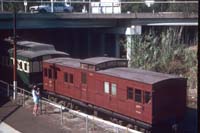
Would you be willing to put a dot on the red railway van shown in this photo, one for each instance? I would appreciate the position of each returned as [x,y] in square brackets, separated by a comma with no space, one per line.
[146,97]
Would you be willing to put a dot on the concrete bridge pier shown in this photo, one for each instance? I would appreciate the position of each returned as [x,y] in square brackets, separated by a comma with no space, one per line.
[102,42]
[130,33]
[89,43]
[117,45]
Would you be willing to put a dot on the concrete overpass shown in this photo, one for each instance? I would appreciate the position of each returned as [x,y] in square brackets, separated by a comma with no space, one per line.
[84,20]
[86,35]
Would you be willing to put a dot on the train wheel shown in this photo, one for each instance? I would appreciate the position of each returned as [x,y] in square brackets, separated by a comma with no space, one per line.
[147,131]
[120,122]
[142,130]
[95,113]
[71,106]
[129,126]
[68,105]
[136,127]
[61,103]
[55,100]
[115,121]
[76,107]
[49,97]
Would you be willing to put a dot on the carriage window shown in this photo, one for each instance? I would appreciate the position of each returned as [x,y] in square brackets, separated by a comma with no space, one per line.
[55,74]
[83,78]
[84,66]
[106,87]
[20,65]
[138,95]
[114,89]
[50,73]
[45,72]
[66,77]
[147,97]
[25,66]
[91,67]
[71,78]
[129,93]
[11,62]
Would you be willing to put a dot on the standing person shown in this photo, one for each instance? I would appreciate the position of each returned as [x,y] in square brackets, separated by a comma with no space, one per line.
[35,95]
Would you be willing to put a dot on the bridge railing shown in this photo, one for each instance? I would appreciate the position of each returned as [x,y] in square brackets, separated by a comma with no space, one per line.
[91,6]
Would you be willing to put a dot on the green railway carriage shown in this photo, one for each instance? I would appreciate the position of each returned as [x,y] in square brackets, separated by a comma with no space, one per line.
[29,61]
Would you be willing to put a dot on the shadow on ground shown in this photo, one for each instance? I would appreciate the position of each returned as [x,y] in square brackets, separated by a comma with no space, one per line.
[3,100]
[189,124]
[7,108]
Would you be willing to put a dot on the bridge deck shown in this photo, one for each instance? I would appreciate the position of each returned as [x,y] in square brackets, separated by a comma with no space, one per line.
[83,20]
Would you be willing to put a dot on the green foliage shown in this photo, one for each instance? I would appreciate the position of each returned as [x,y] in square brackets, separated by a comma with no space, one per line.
[9,6]
[165,53]
[186,8]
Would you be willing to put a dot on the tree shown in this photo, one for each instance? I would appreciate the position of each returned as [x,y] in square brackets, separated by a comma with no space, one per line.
[166,53]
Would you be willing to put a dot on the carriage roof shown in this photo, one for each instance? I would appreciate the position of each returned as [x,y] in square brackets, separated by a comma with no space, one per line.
[139,75]
[35,54]
[70,62]
[34,46]
[99,60]
[31,50]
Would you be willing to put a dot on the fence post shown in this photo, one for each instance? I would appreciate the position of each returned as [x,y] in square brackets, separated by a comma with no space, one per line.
[112,7]
[127,130]
[86,124]
[61,115]
[8,90]
[40,105]
[2,6]
[117,130]
[89,7]
[23,98]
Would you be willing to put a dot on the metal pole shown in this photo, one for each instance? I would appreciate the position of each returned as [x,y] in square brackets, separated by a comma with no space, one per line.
[2,5]
[15,60]
[117,130]
[61,115]
[40,105]
[8,90]
[25,6]
[23,98]
[89,6]
[52,5]
[86,125]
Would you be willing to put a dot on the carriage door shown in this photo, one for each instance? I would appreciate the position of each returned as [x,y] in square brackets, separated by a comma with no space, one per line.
[113,95]
[148,104]
[84,85]
[52,73]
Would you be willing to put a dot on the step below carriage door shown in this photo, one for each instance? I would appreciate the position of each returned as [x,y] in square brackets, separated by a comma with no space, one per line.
[84,85]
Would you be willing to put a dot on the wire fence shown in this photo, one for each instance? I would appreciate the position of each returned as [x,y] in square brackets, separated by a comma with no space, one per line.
[70,120]
[90,6]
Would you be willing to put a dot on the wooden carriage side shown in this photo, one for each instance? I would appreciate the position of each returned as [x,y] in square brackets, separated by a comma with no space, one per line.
[134,93]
